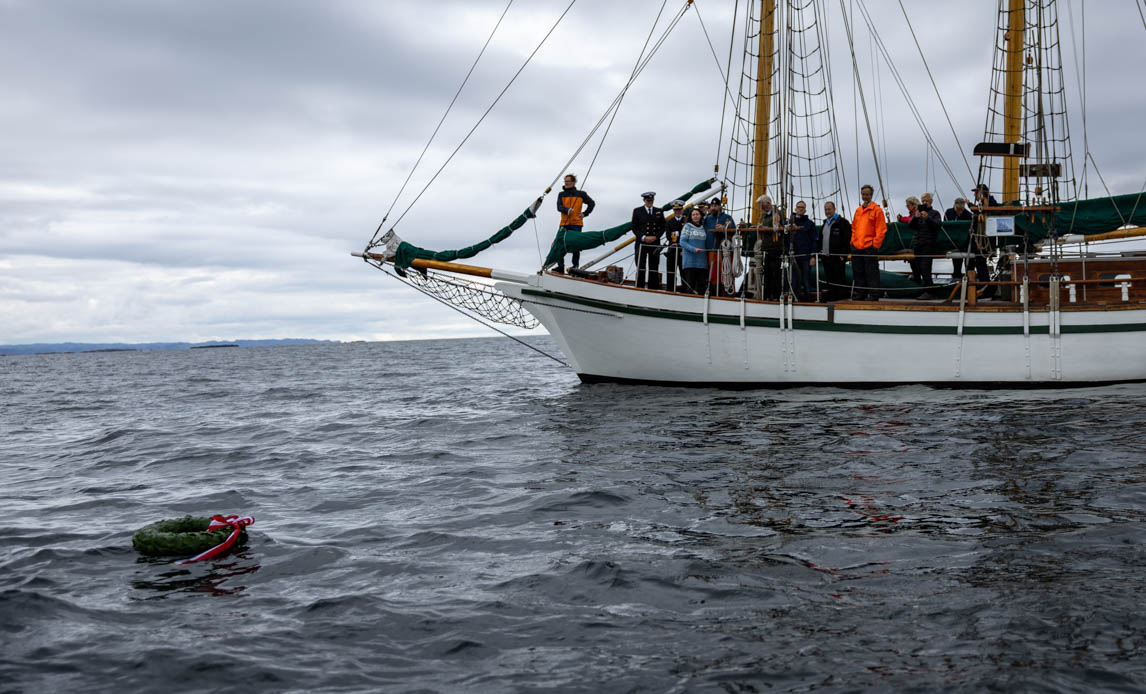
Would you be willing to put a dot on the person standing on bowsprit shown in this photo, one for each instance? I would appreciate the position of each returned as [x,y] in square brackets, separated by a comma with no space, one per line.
[673,226]
[569,203]
[648,227]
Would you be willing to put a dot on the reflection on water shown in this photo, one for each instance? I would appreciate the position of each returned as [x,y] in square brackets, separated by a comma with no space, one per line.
[213,578]
[467,517]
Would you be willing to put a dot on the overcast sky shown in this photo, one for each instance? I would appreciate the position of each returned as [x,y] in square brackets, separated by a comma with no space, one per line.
[174,170]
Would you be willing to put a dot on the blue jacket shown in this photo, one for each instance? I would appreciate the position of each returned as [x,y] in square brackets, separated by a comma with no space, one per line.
[805,239]
[692,239]
[710,223]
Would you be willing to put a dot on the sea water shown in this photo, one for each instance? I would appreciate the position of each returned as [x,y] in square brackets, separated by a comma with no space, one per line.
[463,515]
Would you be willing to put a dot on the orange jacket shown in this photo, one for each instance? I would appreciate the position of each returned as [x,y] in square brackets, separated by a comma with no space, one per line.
[868,226]
[569,202]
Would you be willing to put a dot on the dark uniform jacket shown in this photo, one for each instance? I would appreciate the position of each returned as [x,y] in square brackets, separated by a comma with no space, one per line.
[673,224]
[646,224]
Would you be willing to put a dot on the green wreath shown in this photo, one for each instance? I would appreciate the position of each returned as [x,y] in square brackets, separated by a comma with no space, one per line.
[183,537]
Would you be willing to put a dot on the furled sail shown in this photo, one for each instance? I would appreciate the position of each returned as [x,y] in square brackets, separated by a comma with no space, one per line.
[406,253]
[1085,217]
[568,240]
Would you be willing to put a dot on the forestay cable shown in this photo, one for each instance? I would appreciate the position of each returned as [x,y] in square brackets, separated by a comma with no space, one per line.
[936,88]
[617,99]
[863,101]
[585,178]
[443,120]
[483,115]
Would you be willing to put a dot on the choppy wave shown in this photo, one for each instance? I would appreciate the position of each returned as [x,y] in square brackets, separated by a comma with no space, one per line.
[464,516]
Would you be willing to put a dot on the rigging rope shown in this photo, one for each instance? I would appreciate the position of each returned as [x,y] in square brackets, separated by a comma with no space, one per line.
[841,175]
[936,88]
[863,101]
[616,100]
[652,29]
[1080,72]
[483,116]
[906,94]
[726,74]
[443,120]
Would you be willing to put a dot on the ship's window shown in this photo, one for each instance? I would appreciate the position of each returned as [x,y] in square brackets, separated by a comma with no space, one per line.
[1112,276]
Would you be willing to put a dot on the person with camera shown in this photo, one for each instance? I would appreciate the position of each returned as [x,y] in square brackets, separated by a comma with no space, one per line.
[925,225]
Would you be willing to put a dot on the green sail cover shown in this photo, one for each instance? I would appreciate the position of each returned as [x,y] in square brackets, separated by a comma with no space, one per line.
[1086,217]
[1096,215]
[407,252]
[569,240]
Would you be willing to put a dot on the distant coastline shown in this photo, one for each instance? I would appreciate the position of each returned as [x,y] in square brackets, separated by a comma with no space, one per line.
[74,347]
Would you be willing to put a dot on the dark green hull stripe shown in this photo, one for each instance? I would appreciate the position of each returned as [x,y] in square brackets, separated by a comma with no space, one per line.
[854,385]
[832,327]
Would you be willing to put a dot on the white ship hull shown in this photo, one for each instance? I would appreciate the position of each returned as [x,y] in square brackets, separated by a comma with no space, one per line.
[614,333]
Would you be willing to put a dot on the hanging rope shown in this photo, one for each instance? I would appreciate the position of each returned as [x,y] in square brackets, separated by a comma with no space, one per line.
[620,96]
[863,101]
[936,88]
[443,120]
[902,84]
[1080,83]
[482,118]
[725,74]
[605,135]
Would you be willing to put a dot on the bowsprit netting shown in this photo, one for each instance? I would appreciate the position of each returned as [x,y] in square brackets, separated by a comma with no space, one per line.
[473,296]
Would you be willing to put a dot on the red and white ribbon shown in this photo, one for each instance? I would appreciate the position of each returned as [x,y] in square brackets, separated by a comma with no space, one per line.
[234,522]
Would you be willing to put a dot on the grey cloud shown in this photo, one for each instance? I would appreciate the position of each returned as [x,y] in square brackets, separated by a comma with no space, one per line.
[171,169]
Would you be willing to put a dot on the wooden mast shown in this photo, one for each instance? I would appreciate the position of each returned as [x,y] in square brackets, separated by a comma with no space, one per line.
[1013,96]
[764,62]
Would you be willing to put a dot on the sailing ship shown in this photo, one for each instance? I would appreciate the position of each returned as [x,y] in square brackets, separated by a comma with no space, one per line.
[1064,319]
